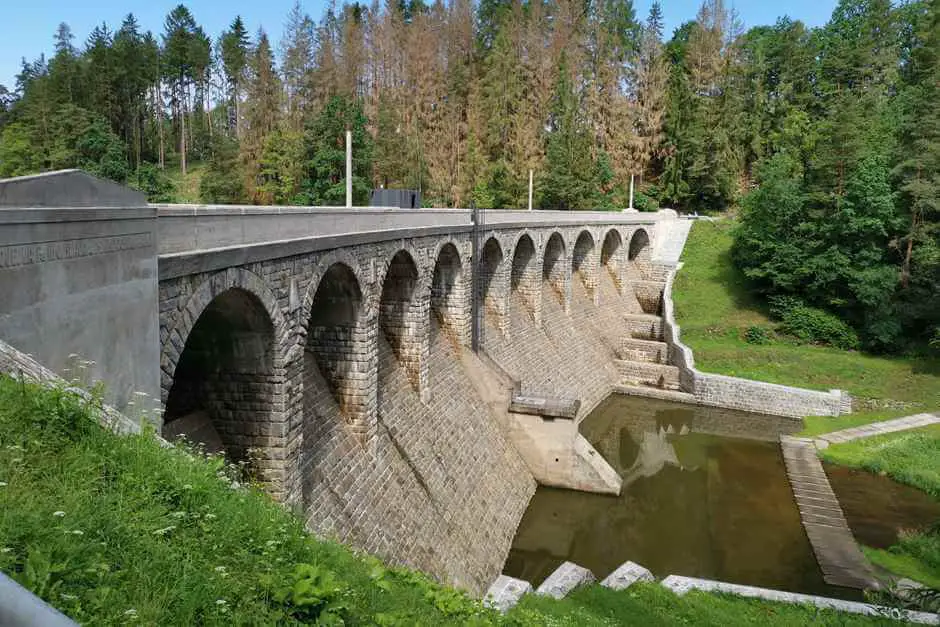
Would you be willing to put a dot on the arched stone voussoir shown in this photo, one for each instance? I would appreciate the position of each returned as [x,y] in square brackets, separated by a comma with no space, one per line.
[423,262]
[323,264]
[182,323]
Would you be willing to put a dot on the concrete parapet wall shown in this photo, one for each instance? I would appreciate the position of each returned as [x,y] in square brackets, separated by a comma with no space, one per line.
[83,281]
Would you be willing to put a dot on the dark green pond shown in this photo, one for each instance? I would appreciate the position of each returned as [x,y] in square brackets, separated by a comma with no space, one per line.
[705,495]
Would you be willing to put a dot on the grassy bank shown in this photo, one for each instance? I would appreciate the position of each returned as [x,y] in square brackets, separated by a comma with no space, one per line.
[913,458]
[113,530]
[714,310]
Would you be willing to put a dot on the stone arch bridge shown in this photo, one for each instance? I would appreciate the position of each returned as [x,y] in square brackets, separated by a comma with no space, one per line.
[332,347]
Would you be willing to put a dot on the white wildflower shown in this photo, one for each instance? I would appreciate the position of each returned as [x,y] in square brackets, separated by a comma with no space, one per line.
[3,484]
[58,514]
[221,602]
[6,549]
[130,612]
[78,532]
[210,516]
[164,531]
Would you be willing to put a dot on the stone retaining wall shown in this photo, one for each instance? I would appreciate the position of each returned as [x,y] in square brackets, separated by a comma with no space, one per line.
[735,393]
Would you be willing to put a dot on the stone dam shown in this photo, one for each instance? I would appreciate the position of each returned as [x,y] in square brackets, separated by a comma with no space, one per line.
[403,379]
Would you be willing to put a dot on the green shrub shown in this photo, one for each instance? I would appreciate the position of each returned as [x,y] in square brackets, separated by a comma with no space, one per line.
[812,325]
[757,335]
[642,202]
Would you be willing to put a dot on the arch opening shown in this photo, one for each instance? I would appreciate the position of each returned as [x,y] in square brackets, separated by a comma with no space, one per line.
[523,278]
[611,255]
[223,385]
[491,263]
[639,255]
[448,293]
[553,266]
[583,260]
[338,346]
[402,316]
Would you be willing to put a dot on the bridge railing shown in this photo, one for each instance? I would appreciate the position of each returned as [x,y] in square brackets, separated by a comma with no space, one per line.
[187,228]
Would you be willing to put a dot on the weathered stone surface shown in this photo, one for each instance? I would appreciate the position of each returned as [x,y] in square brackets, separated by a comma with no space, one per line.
[682,585]
[732,392]
[505,593]
[626,575]
[564,579]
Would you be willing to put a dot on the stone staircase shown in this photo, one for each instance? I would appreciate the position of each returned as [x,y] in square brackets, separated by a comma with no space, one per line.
[644,356]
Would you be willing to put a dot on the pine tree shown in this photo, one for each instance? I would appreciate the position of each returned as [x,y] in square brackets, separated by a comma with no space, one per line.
[234,44]
[262,111]
[297,49]
[650,78]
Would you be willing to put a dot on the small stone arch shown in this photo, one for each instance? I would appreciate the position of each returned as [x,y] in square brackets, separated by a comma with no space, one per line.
[494,284]
[639,255]
[403,317]
[584,262]
[555,269]
[449,290]
[612,253]
[340,344]
[223,369]
[524,274]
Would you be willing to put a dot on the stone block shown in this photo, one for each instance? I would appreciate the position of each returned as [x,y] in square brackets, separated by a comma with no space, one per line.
[564,579]
[505,593]
[626,575]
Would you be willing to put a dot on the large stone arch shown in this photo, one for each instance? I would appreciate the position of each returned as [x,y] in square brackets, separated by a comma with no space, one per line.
[223,373]
[450,288]
[524,274]
[556,272]
[612,257]
[640,255]
[584,262]
[403,316]
[494,283]
[340,344]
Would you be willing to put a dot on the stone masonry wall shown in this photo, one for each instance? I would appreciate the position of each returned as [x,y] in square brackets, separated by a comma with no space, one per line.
[743,394]
[412,467]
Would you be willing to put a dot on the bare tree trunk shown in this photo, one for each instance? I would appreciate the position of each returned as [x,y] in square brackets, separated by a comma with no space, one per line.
[182,110]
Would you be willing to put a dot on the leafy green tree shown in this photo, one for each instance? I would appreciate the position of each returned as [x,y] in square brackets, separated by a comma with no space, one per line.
[569,171]
[223,181]
[324,175]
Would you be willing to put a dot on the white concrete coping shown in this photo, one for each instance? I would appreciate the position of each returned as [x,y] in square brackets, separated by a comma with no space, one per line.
[681,585]
[505,592]
[566,578]
[626,575]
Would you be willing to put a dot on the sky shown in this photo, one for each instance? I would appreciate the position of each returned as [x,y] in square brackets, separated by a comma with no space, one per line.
[29,25]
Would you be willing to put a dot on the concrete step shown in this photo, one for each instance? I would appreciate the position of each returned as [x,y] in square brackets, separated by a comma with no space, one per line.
[644,326]
[648,392]
[644,373]
[650,351]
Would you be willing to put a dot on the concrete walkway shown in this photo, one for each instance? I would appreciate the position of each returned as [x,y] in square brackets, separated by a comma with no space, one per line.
[840,559]
[877,428]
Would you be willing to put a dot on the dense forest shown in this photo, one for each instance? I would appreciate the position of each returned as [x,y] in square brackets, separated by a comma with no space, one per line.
[825,141]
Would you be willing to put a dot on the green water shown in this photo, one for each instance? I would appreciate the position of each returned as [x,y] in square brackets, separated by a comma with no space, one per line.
[705,494]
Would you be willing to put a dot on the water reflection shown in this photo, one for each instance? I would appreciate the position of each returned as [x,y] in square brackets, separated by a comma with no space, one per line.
[705,494]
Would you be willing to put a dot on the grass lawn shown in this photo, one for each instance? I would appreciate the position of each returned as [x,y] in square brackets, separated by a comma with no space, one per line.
[714,309]
[186,188]
[116,530]
[911,457]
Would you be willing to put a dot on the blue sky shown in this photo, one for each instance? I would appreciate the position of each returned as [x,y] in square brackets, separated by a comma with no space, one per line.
[29,25]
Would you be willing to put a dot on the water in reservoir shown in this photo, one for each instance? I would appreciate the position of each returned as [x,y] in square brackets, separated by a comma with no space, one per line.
[705,494]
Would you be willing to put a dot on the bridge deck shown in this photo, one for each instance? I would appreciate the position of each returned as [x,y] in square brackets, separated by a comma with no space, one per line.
[838,555]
